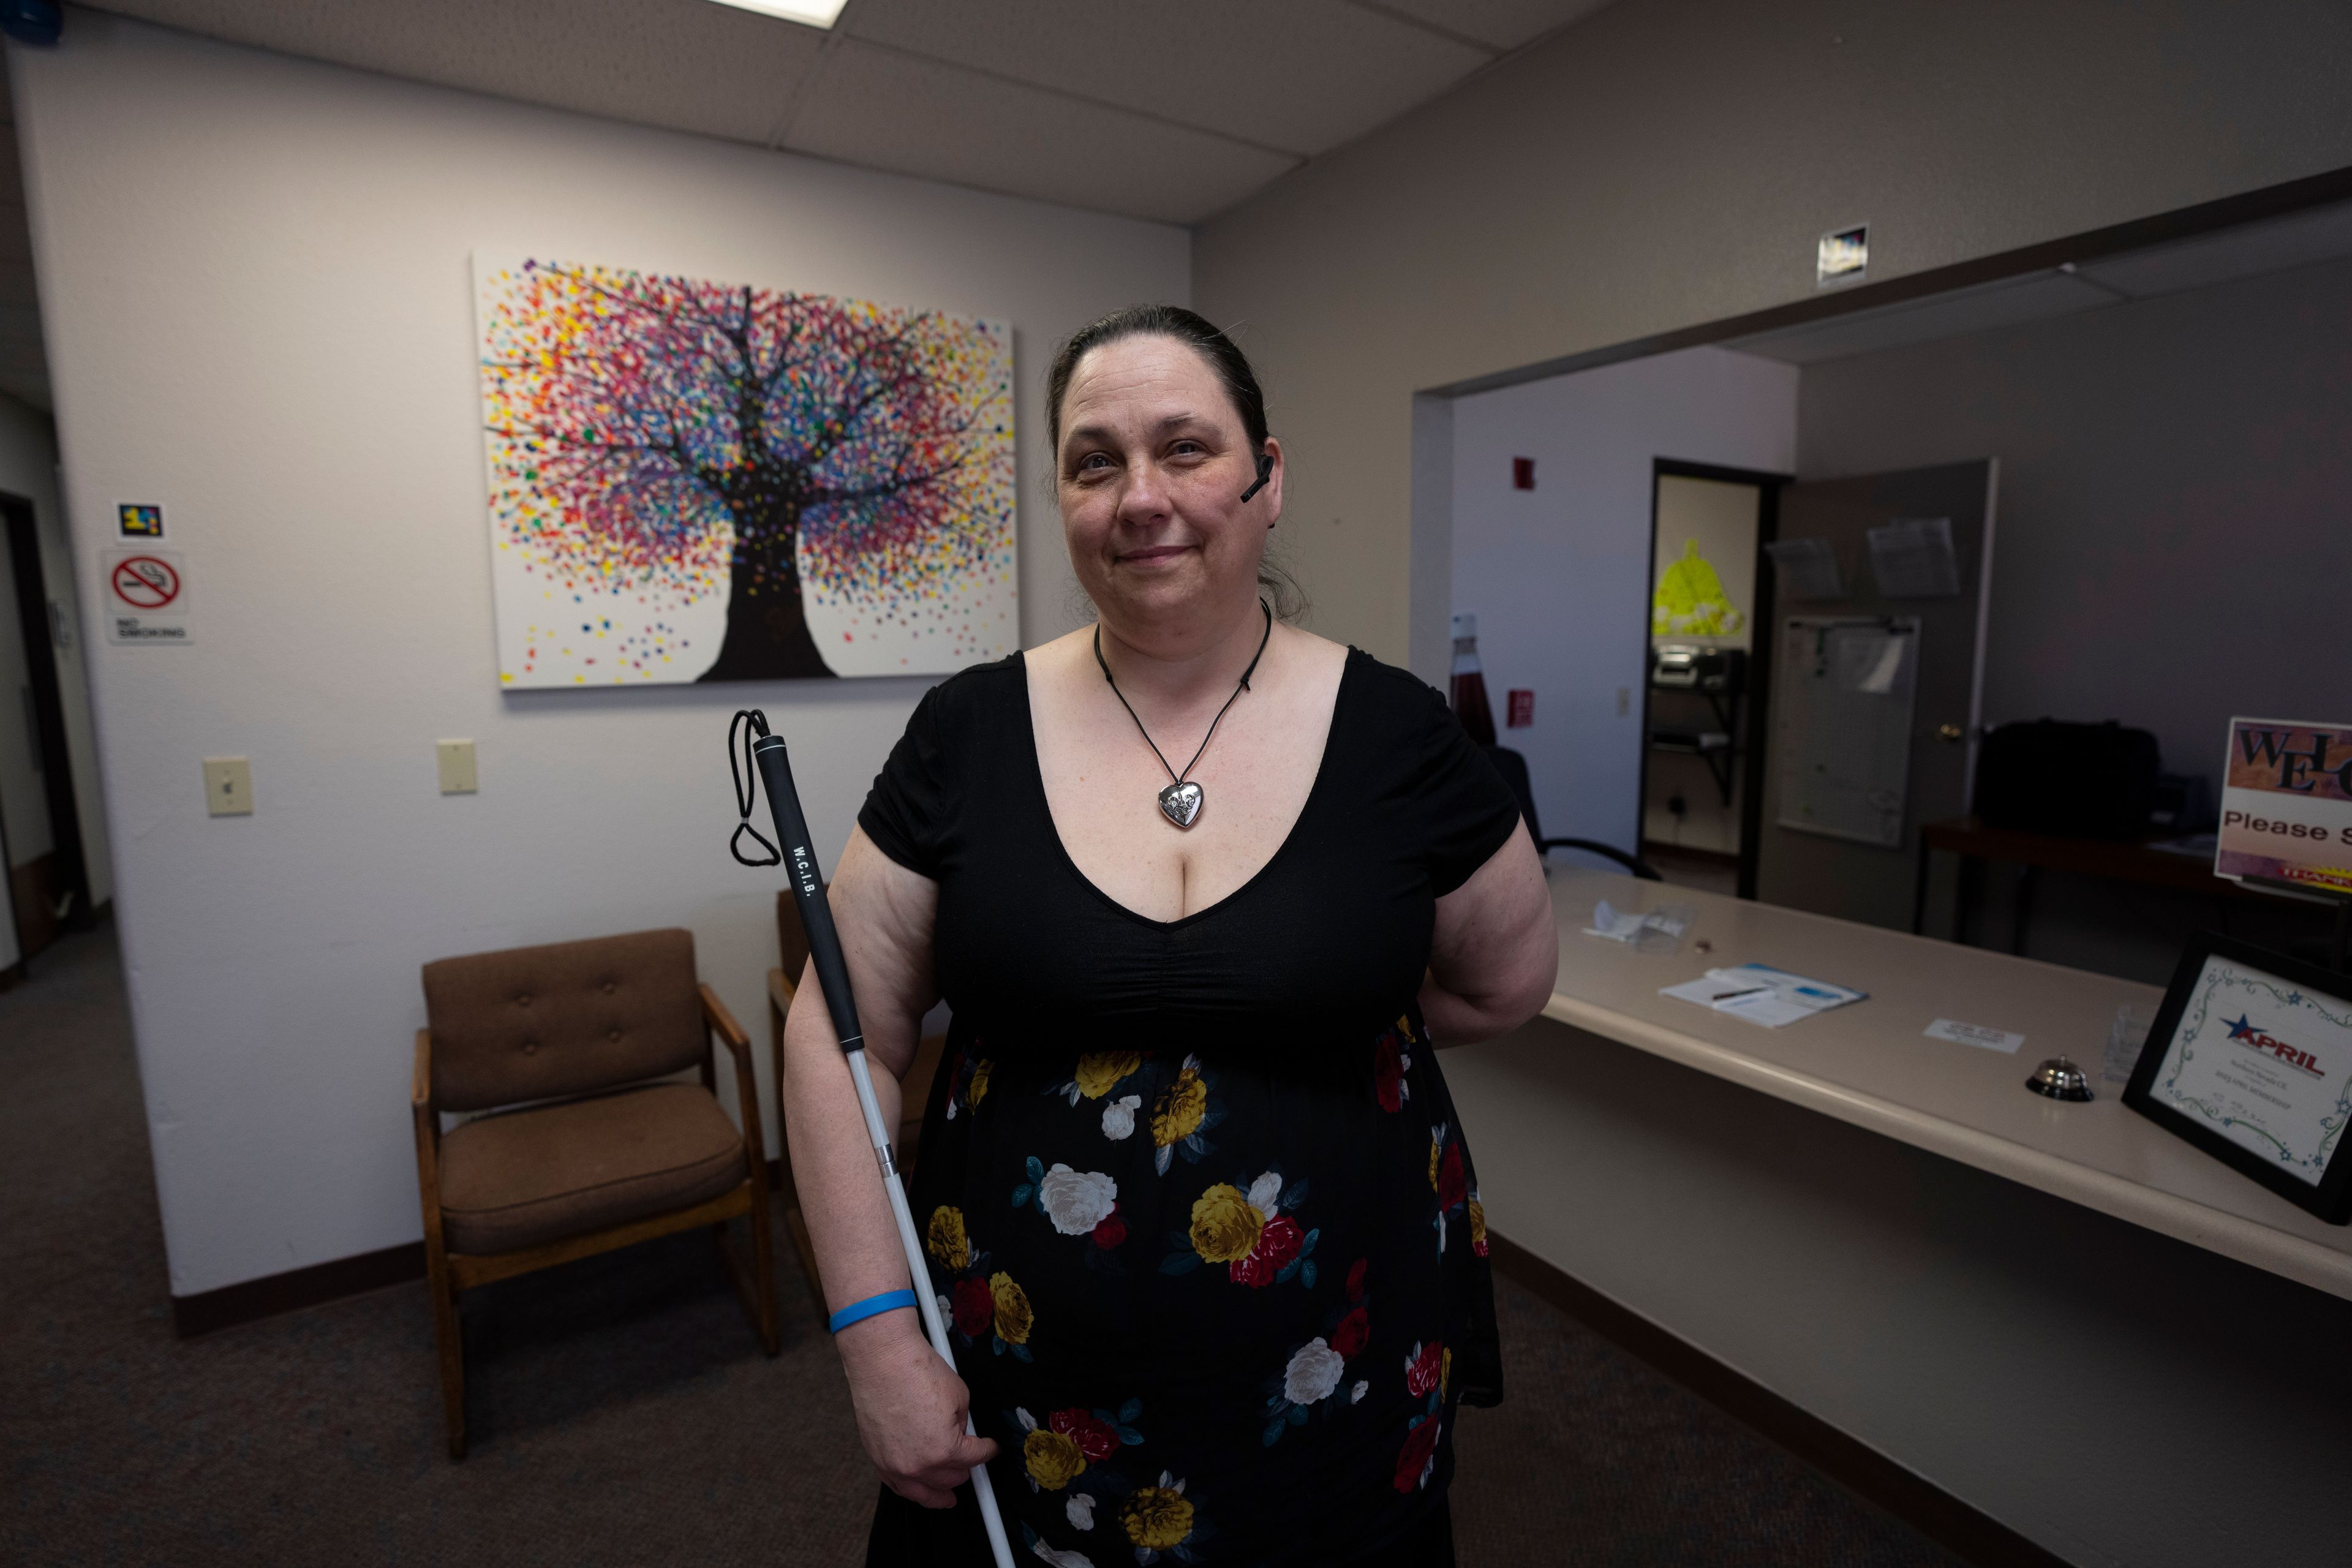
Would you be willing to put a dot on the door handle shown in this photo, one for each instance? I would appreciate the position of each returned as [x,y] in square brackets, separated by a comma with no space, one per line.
[1948,733]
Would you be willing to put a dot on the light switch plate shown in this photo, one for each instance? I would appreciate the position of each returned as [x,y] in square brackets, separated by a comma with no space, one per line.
[456,760]
[228,786]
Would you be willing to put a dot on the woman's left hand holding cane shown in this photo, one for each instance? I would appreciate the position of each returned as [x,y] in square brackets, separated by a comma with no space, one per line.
[910,1404]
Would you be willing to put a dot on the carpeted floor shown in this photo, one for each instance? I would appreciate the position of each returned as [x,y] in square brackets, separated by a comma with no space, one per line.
[621,1411]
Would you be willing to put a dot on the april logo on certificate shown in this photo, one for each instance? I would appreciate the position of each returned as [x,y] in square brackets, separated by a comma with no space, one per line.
[2264,1063]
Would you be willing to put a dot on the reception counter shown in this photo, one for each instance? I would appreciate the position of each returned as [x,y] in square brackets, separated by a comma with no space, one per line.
[2109,1346]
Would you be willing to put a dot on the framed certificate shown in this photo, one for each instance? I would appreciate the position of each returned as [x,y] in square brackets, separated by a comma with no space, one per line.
[2250,1060]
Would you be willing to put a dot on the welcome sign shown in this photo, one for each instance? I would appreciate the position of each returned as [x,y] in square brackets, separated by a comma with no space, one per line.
[2286,804]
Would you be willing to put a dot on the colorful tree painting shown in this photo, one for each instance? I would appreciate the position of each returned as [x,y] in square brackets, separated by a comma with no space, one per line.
[659,446]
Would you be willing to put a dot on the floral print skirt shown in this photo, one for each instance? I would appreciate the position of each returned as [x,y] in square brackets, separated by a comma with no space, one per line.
[1213,1305]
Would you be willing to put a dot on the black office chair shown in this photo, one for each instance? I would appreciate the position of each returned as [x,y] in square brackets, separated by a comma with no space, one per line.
[1514,769]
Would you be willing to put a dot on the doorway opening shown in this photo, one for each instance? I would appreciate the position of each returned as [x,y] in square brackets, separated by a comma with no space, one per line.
[40,826]
[1703,700]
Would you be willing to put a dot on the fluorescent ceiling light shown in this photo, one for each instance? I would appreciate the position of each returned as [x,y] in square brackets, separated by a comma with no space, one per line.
[815,13]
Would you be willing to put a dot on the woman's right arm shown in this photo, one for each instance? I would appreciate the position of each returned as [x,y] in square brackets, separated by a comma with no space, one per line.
[910,1405]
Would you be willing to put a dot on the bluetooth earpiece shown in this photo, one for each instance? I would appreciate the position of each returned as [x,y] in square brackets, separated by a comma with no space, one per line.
[1264,475]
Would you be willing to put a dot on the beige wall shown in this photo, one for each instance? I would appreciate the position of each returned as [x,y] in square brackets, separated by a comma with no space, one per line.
[1670,163]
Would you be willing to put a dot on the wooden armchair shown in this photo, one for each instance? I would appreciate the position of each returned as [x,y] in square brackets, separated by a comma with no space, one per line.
[914,1090]
[595,1158]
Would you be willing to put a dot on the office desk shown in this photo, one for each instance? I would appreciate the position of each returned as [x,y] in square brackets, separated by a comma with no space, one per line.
[2116,860]
[2059,1314]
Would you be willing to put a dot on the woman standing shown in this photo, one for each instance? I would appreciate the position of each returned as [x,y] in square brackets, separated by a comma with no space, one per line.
[1202,890]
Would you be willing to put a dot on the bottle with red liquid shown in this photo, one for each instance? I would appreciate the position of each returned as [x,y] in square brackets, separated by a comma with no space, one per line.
[1470,683]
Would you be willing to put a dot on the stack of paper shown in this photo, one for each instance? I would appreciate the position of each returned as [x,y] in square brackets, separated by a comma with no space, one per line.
[1660,930]
[1762,995]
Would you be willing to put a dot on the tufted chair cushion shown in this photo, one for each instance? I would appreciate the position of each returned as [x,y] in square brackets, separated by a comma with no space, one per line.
[529,1176]
[540,1023]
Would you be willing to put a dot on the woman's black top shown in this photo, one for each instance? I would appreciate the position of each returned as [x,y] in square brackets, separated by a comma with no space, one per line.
[1194,1190]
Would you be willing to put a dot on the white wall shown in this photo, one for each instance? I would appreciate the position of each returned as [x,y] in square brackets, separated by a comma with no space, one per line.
[256,297]
[1560,575]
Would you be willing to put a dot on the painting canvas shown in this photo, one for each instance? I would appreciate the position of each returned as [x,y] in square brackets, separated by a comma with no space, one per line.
[699,480]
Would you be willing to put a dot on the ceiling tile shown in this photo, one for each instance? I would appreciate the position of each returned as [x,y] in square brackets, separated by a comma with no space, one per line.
[686,65]
[1302,77]
[890,110]
[1502,24]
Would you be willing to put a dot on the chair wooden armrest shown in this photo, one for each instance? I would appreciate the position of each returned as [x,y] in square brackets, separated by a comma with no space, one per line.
[715,1013]
[746,1091]
[758,1288]
[420,1096]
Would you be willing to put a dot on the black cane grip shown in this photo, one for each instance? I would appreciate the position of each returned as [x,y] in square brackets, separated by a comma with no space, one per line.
[808,889]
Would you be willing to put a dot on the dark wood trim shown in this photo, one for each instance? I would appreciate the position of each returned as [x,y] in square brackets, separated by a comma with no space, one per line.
[71,872]
[1648,643]
[33,896]
[1966,1531]
[2182,223]
[469,1272]
[1757,714]
[1682,470]
[1653,848]
[1755,702]
[207,1311]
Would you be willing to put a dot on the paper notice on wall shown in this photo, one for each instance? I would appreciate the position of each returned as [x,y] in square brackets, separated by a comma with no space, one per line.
[1807,569]
[146,596]
[1870,662]
[1912,559]
[1841,701]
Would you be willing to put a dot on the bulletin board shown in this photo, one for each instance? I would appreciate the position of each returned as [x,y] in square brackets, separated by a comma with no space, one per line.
[1843,694]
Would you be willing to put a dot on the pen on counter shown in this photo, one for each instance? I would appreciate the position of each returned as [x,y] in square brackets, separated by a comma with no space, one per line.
[1727,996]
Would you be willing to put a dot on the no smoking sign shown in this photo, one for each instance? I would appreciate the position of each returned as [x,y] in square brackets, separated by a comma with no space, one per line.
[146,596]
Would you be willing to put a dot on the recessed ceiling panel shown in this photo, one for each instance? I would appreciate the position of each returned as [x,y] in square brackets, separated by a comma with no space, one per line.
[2002,304]
[1300,77]
[890,110]
[2323,234]
[686,65]
[1500,24]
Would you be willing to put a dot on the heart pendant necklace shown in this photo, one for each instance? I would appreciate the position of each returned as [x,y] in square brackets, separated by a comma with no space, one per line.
[1181,800]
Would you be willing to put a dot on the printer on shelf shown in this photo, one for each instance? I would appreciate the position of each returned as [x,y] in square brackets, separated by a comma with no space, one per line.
[1689,667]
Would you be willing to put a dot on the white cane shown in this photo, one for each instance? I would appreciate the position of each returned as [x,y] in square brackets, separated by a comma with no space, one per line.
[833,978]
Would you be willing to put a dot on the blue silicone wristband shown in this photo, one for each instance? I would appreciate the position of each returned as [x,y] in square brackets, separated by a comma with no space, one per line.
[859,1311]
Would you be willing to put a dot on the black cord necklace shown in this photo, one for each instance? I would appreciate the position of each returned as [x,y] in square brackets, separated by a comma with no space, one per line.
[1181,800]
